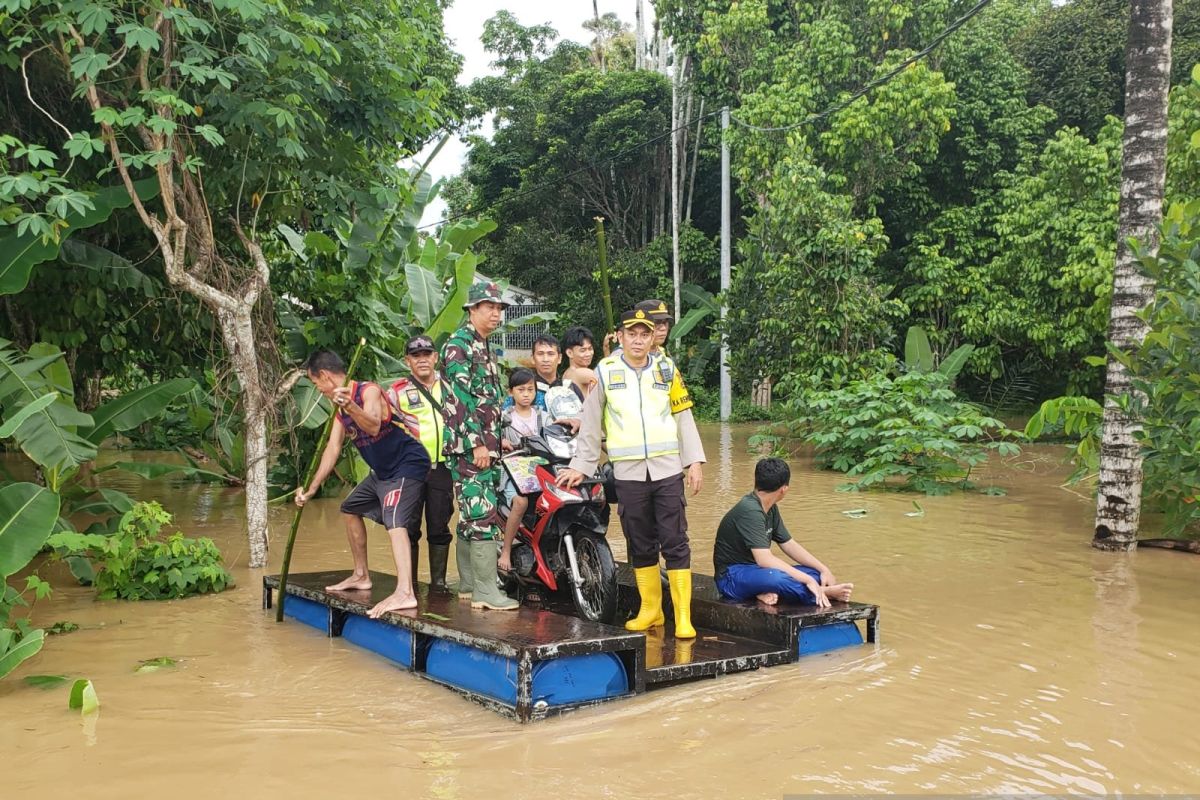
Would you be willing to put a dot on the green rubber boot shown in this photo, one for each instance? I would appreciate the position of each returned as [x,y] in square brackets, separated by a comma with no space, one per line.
[487,592]
[466,577]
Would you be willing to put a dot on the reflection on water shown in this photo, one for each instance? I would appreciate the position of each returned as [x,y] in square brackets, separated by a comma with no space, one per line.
[1013,659]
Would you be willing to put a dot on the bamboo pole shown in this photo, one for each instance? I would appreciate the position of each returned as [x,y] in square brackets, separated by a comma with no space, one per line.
[605,291]
[312,470]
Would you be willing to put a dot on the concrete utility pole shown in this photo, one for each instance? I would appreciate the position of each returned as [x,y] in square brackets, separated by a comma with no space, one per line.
[726,264]
[639,47]
[676,272]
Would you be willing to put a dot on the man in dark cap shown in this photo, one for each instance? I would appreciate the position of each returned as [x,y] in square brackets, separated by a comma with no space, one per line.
[420,399]
[472,445]
[681,399]
[661,317]
[650,448]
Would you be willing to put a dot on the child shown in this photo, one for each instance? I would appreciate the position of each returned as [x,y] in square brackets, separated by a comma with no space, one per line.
[520,419]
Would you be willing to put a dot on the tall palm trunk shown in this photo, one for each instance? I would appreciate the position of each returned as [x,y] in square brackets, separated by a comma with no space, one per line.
[1143,173]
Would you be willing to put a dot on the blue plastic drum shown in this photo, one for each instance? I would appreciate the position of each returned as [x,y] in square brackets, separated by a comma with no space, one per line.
[394,644]
[308,612]
[560,681]
[828,637]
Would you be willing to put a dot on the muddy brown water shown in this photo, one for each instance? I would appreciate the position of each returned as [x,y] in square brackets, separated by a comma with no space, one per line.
[1014,658]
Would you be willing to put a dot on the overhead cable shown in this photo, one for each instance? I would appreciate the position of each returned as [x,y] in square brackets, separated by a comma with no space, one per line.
[903,65]
[833,109]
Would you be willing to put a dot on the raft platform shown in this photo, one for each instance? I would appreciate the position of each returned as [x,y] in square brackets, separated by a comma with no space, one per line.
[541,661]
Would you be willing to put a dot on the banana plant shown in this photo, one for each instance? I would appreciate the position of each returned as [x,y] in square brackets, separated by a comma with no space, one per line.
[39,414]
[28,514]
[919,356]
[702,307]
[21,252]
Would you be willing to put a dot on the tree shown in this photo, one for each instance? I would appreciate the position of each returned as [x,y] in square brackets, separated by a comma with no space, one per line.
[1075,53]
[1143,175]
[239,110]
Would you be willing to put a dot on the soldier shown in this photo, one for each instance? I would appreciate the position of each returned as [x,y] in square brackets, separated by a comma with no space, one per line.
[650,448]
[419,400]
[472,446]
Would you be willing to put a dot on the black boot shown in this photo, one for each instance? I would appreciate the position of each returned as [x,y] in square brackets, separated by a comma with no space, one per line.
[439,554]
[416,559]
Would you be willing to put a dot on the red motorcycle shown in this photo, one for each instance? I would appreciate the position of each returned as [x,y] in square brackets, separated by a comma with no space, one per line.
[561,543]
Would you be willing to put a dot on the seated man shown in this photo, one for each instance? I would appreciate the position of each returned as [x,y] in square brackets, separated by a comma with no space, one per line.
[746,567]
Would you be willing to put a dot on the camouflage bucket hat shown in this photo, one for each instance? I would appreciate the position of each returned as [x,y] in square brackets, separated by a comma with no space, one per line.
[484,292]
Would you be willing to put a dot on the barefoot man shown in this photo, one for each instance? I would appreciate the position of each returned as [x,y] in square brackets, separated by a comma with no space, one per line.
[746,567]
[398,464]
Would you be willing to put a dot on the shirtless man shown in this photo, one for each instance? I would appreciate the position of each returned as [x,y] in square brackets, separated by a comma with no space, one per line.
[399,465]
[746,567]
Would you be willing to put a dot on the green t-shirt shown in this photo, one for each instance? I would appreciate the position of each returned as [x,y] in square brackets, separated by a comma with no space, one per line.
[745,527]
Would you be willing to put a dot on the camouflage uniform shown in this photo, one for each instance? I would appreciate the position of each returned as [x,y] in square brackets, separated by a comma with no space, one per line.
[472,414]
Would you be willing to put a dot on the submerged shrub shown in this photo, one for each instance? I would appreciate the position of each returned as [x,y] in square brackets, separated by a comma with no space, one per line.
[909,432]
[139,563]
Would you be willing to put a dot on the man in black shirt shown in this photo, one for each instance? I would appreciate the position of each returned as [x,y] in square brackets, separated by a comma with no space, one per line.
[746,567]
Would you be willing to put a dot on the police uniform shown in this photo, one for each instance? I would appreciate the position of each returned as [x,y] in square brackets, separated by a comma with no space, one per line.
[420,407]
[649,445]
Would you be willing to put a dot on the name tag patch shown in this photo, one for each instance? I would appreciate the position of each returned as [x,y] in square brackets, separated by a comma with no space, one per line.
[616,379]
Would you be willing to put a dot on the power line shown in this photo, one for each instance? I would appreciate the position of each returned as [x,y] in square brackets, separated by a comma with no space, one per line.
[558,181]
[929,48]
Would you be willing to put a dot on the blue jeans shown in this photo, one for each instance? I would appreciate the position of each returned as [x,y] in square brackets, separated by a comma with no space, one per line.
[744,581]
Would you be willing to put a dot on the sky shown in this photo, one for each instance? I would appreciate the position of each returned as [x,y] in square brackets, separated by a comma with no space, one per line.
[464,25]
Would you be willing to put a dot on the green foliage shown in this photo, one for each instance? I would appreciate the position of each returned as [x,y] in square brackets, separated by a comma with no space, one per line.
[1075,54]
[1077,418]
[138,562]
[83,697]
[1166,374]
[54,434]
[27,516]
[39,240]
[909,432]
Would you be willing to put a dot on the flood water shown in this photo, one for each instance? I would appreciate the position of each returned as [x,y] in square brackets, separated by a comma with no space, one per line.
[1013,658]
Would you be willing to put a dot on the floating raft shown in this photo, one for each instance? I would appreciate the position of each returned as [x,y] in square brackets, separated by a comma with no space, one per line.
[541,661]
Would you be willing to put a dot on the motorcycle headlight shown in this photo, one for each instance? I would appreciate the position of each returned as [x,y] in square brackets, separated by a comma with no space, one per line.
[561,448]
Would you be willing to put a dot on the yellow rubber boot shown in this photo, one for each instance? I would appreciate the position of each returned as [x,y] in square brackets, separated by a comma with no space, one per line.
[681,597]
[650,590]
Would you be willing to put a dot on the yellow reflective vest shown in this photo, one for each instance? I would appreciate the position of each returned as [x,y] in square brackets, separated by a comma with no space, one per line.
[637,409]
[420,416]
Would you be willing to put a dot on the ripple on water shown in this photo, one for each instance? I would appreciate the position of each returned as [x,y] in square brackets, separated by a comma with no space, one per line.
[1014,658]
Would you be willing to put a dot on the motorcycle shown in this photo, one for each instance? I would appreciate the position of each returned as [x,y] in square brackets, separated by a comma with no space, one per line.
[561,542]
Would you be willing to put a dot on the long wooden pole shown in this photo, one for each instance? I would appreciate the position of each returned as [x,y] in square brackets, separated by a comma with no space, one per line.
[605,291]
[312,470]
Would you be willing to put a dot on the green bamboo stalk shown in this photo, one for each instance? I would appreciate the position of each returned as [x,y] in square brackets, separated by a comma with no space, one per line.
[604,290]
[312,470]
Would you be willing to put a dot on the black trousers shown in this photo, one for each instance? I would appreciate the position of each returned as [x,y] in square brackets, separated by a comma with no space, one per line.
[653,517]
[437,501]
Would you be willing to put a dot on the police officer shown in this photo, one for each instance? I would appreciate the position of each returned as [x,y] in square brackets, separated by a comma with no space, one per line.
[420,399]
[650,448]
[472,446]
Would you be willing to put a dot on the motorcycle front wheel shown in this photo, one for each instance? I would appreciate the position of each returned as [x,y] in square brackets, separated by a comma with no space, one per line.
[596,599]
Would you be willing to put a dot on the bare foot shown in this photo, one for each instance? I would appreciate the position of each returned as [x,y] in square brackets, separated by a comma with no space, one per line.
[839,592]
[769,598]
[353,583]
[393,602]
